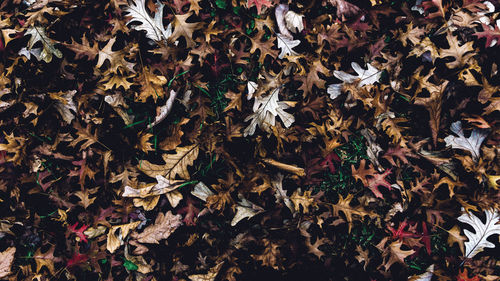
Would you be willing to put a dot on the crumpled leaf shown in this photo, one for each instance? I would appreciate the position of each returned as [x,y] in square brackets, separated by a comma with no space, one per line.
[6,260]
[245,209]
[367,76]
[117,235]
[153,26]
[280,13]
[201,191]
[65,105]
[294,21]
[280,193]
[477,240]
[266,108]
[165,224]
[163,186]
[471,144]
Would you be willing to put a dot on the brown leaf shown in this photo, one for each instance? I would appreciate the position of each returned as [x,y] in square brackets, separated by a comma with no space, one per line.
[83,50]
[175,164]
[117,235]
[165,224]
[305,200]
[397,254]
[210,276]
[184,29]
[6,260]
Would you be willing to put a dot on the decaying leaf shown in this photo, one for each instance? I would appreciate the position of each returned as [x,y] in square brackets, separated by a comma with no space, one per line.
[6,260]
[164,225]
[175,164]
[117,235]
[47,51]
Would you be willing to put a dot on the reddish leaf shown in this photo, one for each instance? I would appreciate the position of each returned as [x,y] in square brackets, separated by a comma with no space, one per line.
[79,231]
[489,34]
[77,259]
[259,4]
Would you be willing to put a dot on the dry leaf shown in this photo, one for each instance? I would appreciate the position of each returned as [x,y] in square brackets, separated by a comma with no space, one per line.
[164,225]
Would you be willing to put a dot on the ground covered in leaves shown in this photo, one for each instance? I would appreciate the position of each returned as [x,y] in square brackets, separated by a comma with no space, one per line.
[249,140]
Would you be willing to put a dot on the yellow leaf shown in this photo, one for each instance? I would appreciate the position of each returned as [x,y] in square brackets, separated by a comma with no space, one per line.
[175,164]
[115,240]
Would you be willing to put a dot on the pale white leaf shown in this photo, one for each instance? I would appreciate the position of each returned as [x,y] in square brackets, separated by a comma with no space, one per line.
[201,191]
[364,77]
[471,144]
[279,13]
[153,26]
[477,239]
[165,109]
[294,21]
[266,108]
[252,87]
[245,209]
[280,193]
[334,90]
[286,44]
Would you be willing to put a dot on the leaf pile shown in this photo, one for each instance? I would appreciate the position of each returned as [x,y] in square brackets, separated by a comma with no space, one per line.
[241,140]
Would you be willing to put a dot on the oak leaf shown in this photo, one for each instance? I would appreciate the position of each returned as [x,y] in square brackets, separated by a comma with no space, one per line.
[478,240]
[454,236]
[305,200]
[153,26]
[461,54]
[116,58]
[286,44]
[364,77]
[6,260]
[492,35]
[184,29]
[259,4]
[266,108]
[163,227]
[48,49]
[175,164]
[46,259]
[84,49]
[397,254]
[117,235]
[471,144]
